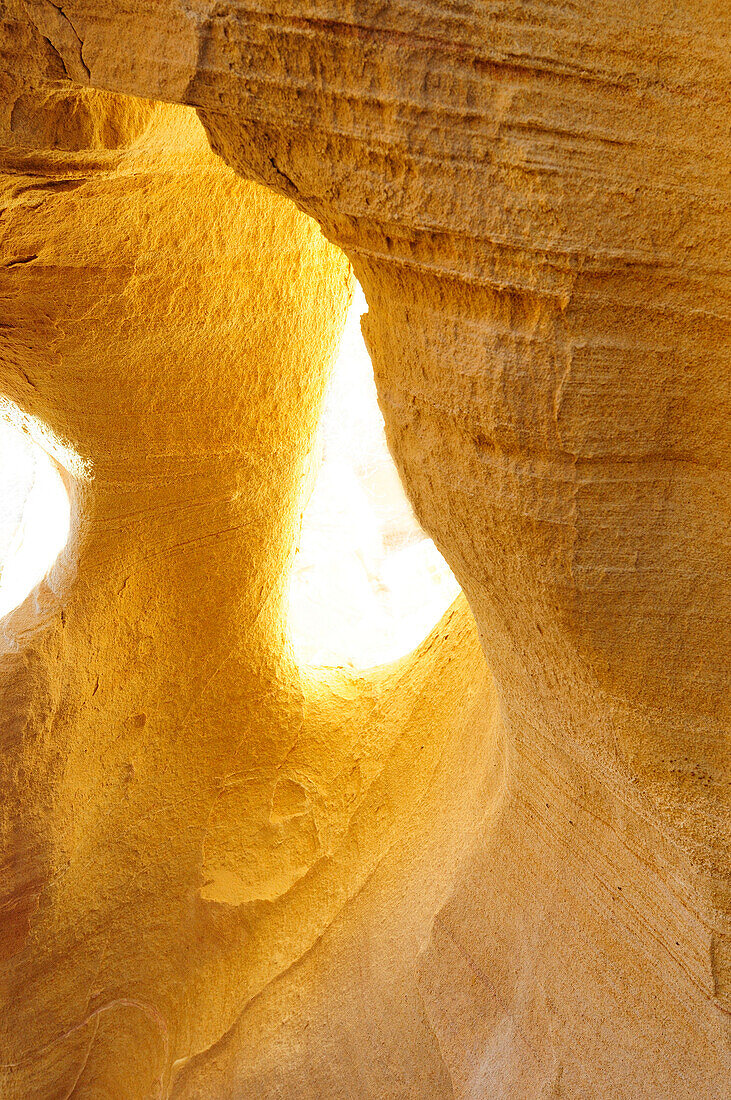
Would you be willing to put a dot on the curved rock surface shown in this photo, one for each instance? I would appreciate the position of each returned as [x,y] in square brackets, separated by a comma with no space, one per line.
[499,867]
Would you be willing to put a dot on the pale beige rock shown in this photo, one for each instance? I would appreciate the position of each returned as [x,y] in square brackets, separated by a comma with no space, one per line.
[227,876]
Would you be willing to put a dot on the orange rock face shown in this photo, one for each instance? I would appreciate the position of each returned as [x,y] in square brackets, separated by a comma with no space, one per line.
[500,866]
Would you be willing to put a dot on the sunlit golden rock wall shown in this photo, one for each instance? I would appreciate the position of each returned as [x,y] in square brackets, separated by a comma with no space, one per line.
[499,867]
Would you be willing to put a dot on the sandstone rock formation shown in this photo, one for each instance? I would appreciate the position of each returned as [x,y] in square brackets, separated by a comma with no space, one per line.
[499,867]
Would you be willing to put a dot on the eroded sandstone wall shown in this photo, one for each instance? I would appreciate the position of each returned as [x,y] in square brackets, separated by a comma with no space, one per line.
[228,876]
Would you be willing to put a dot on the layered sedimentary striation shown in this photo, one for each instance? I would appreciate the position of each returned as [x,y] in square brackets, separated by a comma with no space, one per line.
[499,867]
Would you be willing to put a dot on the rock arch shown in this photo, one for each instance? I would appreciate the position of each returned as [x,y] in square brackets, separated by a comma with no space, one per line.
[225,877]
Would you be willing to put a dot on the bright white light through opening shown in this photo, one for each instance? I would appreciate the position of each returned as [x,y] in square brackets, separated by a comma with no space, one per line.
[34,515]
[367,584]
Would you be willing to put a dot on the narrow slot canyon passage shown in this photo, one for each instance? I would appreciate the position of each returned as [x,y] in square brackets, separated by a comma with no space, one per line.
[34,512]
[367,584]
[284,813]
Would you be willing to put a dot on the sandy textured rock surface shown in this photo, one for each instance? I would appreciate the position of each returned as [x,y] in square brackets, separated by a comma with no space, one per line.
[228,876]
